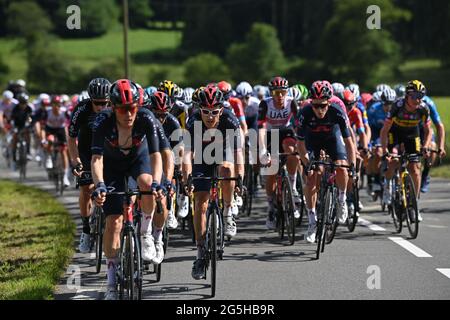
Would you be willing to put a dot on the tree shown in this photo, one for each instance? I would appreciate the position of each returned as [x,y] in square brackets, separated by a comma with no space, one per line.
[259,58]
[4,69]
[204,68]
[140,13]
[28,20]
[97,17]
[353,52]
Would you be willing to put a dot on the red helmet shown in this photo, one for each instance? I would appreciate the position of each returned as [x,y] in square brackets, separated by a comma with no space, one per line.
[225,87]
[319,90]
[56,100]
[124,91]
[349,98]
[211,97]
[160,102]
[278,83]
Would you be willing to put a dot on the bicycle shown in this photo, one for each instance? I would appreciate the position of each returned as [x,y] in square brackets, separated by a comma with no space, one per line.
[353,199]
[214,240]
[403,194]
[57,172]
[21,149]
[129,273]
[327,221]
[249,183]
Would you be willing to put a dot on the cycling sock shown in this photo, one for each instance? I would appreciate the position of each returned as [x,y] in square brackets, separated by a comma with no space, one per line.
[199,251]
[312,216]
[146,223]
[293,179]
[111,274]
[157,234]
[342,196]
[86,226]
[425,172]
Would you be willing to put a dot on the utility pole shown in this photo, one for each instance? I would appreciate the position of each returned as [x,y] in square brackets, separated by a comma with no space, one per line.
[125,37]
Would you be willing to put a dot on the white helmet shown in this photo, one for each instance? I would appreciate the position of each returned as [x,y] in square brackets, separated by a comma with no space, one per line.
[338,88]
[8,95]
[21,83]
[188,92]
[382,87]
[295,93]
[84,95]
[377,96]
[354,88]
[244,89]
[389,95]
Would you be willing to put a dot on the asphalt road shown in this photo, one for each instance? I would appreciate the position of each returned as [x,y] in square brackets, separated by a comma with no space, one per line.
[371,263]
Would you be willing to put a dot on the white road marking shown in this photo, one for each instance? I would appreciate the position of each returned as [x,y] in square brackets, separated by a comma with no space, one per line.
[434,226]
[370,225]
[445,272]
[86,294]
[410,247]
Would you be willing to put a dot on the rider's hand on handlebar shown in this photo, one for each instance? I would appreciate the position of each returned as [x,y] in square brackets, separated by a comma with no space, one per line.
[78,169]
[99,194]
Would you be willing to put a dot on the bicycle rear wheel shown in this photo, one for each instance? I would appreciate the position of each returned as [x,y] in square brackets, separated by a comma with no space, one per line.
[320,223]
[130,284]
[353,215]
[412,213]
[288,210]
[302,208]
[99,238]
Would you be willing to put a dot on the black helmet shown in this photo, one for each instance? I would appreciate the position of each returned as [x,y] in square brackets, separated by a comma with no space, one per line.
[22,98]
[99,88]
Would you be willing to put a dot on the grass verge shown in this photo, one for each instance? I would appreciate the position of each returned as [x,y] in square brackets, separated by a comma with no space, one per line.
[36,242]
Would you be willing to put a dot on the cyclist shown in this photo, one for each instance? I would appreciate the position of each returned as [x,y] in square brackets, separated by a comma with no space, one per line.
[439,144]
[235,104]
[277,113]
[160,106]
[324,126]
[55,124]
[354,88]
[178,108]
[212,116]
[377,116]
[400,90]
[260,92]
[338,90]
[125,143]
[17,87]
[21,119]
[6,107]
[187,99]
[79,143]
[402,127]
[304,94]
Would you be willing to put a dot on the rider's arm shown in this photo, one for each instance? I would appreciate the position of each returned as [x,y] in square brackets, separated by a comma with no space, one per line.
[344,125]
[384,134]
[427,133]
[262,126]
[73,151]
[97,168]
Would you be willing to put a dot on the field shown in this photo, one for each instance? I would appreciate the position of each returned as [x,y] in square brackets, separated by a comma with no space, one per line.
[147,48]
[36,242]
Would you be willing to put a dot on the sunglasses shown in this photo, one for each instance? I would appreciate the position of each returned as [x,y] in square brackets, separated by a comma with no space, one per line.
[279,92]
[160,114]
[125,108]
[320,106]
[214,113]
[100,103]
[416,95]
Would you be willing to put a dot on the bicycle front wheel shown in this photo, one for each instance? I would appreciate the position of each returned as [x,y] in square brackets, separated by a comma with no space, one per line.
[211,234]
[288,210]
[320,224]
[412,213]
[395,208]
[99,238]
[330,215]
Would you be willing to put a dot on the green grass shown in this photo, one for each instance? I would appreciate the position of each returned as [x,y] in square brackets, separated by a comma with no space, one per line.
[87,53]
[443,105]
[36,242]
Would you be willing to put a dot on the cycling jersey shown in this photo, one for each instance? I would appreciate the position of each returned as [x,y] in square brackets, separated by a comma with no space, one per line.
[81,125]
[238,108]
[355,118]
[363,112]
[408,122]
[170,126]
[20,115]
[228,128]
[325,134]
[8,108]
[55,121]
[273,118]
[181,111]
[377,117]
[434,114]
[252,108]
[105,136]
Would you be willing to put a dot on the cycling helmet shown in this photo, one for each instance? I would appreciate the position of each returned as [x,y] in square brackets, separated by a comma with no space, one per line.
[349,98]
[377,96]
[160,102]
[65,98]
[304,92]
[355,89]
[23,98]
[187,97]
[56,100]
[416,86]
[8,95]
[196,95]
[211,97]
[169,88]
[151,90]
[261,91]
[319,91]
[388,95]
[338,89]
[295,93]
[244,89]
[179,93]
[278,83]
[400,90]
[124,91]
[99,88]
[84,95]
[21,83]
[226,89]
[382,87]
